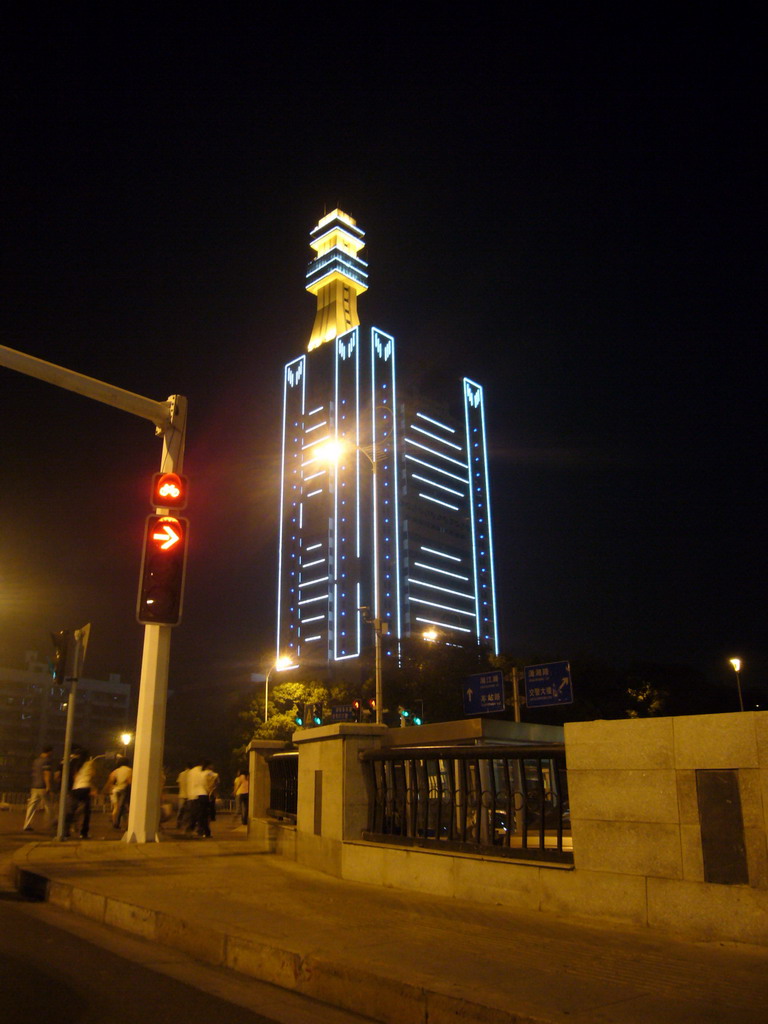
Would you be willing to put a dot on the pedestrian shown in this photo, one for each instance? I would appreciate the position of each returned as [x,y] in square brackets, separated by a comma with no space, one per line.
[213,789]
[80,795]
[41,789]
[118,785]
[240,794]
[199,782]
[182,815]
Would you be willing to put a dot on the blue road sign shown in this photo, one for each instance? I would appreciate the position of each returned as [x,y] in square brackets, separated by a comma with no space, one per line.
[546,685]
[344,713]
[484,693]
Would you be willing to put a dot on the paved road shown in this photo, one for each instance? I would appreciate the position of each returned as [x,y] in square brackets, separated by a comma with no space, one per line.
[58,967]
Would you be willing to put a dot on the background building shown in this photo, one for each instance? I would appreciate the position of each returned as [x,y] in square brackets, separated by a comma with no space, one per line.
[33,712]
[384,491]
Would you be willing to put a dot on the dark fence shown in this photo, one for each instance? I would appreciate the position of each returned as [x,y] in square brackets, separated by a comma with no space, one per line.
[284,784]
[504,800]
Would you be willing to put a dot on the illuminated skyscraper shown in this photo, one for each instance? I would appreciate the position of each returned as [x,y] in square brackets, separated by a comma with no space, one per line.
[402,504]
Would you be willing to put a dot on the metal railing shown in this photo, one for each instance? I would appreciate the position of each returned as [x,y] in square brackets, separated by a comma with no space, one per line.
[503,800]
[284,784]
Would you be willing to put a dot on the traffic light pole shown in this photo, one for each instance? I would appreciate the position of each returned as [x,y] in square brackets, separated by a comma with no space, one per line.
[81,643]
[147,781]
[170,419]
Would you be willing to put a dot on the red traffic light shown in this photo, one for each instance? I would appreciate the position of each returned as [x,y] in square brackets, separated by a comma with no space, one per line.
[161,584]
[169,490]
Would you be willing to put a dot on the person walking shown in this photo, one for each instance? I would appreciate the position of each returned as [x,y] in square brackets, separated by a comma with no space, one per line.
[182,815]
[80,794]
[118,786]
[199,784]
[41,790]
[240,794]
[213,791]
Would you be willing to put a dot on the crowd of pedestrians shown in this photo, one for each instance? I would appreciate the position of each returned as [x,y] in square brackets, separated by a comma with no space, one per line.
[198,785]
[45,792]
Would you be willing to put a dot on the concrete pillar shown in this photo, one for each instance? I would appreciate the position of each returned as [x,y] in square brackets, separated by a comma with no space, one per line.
[258,775]
[333,799]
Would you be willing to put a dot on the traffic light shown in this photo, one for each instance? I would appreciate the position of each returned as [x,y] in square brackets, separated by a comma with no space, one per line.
[407,717]
[61,642]
[169,490]
[299,714]
[357,705]
[317,714]
[161,584]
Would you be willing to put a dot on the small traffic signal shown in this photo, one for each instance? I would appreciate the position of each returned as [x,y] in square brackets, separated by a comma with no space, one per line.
[317,714]
[61,642]
[299,714]
[161,584]
[169,490]
[357,706]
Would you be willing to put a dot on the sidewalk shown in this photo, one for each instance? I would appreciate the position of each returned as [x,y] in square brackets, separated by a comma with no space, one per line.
[402,958]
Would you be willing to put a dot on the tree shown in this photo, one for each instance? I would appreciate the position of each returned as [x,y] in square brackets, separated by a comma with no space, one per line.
[430,678]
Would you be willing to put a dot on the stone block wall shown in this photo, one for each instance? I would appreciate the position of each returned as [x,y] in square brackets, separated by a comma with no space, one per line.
[640,850]
[637,812]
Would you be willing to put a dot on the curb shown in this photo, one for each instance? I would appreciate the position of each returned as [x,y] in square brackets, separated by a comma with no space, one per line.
[386,999]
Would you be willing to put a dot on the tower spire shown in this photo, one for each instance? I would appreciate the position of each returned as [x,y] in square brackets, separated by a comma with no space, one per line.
[336,276]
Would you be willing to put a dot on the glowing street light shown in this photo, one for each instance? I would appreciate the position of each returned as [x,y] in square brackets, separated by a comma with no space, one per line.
[736,666]
[126,738]
[281,665]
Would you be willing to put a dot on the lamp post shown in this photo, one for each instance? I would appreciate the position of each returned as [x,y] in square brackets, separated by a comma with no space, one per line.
[281,665]
[331,452]
[126,738]
[736,666]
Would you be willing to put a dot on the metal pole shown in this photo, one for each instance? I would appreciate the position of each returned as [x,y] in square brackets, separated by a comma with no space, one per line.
[147,782]
[738,685]
[266,695]
[81,643]
[64,793]
[515,694]
[98,390]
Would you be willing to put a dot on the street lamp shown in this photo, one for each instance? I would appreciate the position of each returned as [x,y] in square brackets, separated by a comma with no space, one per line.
[736,666]
[126,738]
[281,665]
[331,451]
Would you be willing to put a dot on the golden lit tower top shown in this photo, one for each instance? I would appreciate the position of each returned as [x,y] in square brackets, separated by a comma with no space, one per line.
[336,276]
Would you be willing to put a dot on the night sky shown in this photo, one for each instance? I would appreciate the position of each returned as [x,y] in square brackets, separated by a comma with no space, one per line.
[568,212]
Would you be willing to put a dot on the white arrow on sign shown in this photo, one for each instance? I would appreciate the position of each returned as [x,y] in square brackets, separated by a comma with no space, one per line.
[168,535]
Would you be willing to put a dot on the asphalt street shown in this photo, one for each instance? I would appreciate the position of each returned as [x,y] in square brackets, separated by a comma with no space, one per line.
[60,967]
[65,968]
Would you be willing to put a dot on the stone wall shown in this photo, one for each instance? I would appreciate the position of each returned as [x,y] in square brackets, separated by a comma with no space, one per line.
[649,830]
[642,815]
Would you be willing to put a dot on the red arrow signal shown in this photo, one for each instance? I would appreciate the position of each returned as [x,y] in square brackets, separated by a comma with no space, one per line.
[169,534]
[163,567]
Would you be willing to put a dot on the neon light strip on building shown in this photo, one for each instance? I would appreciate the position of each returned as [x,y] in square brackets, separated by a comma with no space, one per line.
[437,423]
